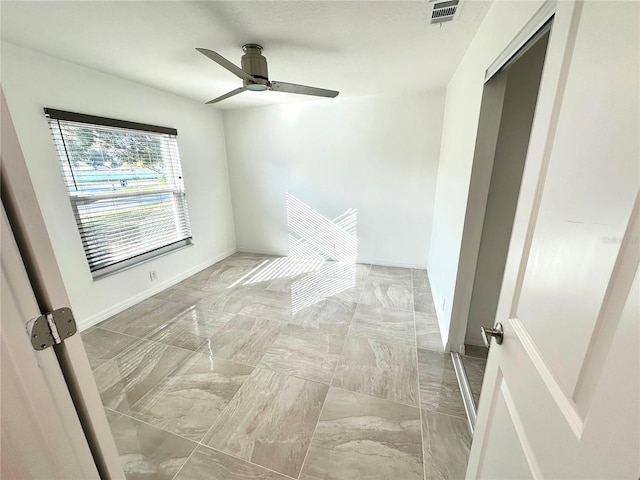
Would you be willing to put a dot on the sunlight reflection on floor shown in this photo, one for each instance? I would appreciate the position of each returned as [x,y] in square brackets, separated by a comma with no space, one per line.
[322,252]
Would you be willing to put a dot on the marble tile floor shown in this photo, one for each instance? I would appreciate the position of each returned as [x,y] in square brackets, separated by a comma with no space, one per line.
[265,367]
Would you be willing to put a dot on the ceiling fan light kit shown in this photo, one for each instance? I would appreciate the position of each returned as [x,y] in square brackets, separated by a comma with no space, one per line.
[255,75]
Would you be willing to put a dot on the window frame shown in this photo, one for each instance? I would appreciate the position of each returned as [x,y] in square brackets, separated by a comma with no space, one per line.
[76,199]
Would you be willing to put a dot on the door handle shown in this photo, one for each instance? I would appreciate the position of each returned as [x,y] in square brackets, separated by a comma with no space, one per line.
[497,332]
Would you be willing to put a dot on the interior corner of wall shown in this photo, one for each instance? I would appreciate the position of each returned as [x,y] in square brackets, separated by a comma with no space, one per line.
[444,332]
[455,348]
[87,322]
[443,321]
[474,339]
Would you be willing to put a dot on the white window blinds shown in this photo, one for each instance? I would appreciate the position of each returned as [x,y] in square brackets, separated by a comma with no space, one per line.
[125,185]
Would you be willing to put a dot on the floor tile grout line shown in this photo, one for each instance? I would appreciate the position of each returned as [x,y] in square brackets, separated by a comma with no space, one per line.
[304,461]
[197,442]
[179,366]
[227,406]
[437,412]
[224,359]
[266,367]
[415,330]
[173,346]
[299,377]
[104,327]
[410,310]
[185,462]
[174,371]
[369,337]
[204,445]
[281,373]
[146,339]
[192,354]
[131,417]
[397,310]
[200,442]
[263,354]
[263,367]
[127,350]
[377,398]
[410,347]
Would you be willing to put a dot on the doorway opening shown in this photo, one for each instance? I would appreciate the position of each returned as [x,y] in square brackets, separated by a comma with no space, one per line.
[506,118]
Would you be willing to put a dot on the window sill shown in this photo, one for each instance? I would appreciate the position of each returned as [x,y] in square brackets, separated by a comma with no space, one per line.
[141,259]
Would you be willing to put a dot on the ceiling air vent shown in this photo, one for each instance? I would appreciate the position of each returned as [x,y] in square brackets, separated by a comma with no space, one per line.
[444,11]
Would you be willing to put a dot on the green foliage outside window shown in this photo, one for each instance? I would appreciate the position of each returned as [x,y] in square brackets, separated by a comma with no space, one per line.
[97,148]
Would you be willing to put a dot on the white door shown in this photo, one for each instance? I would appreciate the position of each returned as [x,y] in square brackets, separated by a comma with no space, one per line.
[64,390]
[561,394]
[41,434]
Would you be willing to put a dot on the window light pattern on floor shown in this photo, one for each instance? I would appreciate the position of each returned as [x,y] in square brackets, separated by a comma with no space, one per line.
[324,249]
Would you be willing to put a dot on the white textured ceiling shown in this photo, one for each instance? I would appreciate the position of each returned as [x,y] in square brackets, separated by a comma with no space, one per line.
[358,47]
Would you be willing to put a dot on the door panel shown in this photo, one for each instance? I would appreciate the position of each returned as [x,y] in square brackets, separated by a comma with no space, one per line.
[41,434]
[618,398]
[589,191]
[503,443]
[565,382]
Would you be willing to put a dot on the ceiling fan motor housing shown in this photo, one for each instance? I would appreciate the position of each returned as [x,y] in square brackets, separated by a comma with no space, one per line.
[255,65]
[255,76]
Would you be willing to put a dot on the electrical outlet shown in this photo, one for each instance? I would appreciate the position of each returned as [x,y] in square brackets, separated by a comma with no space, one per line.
[153,275]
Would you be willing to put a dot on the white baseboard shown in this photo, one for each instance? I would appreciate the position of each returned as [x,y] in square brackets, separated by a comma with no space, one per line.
[474,339]
[440,316]
[391,263]
[257,251]
[114,309]
[455,348]
[371,261]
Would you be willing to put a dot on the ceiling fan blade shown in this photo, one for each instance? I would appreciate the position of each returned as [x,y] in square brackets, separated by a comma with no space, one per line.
[302,89]
[227,95]
[220,60]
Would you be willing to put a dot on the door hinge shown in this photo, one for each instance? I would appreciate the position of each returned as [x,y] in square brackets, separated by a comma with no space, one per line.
[52,328]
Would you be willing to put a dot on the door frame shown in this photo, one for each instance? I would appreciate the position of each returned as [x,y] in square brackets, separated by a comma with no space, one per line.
[24,215]
[555,73]
[519,353]
[550,95]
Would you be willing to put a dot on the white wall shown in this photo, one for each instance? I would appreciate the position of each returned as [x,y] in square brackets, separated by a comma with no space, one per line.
[462,108]
[32,81]
[378,155]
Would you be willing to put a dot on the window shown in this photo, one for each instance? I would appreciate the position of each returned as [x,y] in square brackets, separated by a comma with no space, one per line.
[125,185]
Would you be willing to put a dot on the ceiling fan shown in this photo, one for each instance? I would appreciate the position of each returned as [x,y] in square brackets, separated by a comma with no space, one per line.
[255,76]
